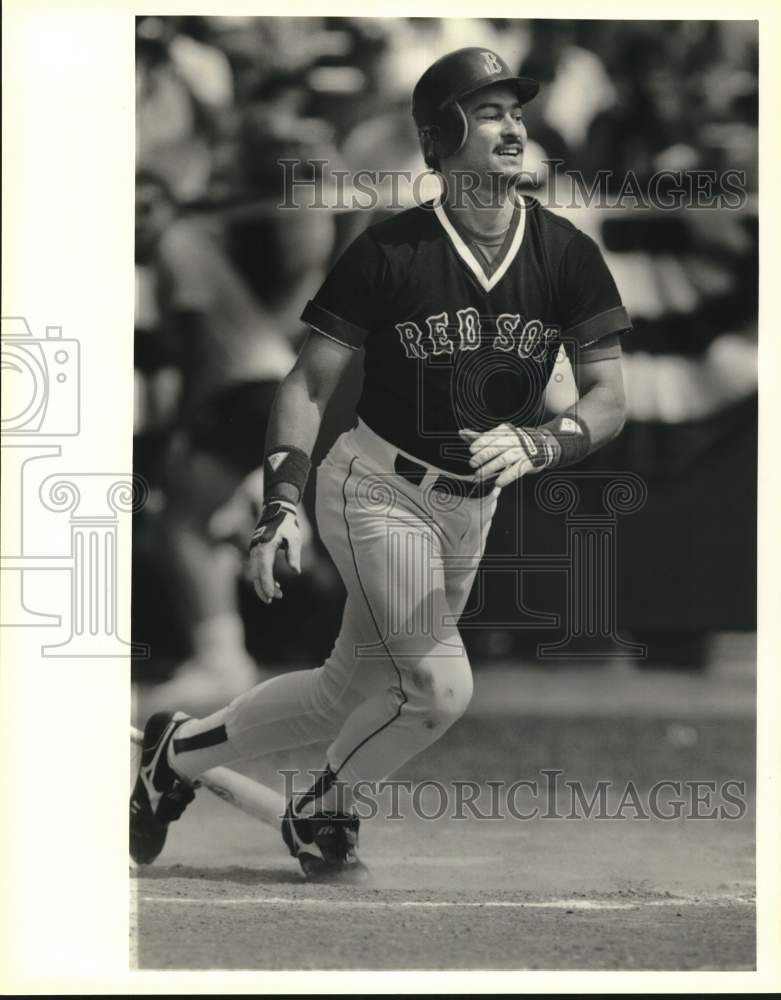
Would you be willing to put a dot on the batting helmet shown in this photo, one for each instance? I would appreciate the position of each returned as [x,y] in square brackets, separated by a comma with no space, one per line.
[440,119]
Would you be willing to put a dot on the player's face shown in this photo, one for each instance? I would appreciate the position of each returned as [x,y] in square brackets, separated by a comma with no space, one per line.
[497,135]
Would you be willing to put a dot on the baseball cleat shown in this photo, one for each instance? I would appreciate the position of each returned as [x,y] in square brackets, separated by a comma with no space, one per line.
[160,796]
[324,844]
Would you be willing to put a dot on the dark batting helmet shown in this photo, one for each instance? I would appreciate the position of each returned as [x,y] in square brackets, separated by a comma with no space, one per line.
[442,124]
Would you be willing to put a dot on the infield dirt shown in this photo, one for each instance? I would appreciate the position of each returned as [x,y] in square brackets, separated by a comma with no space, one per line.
[493,894]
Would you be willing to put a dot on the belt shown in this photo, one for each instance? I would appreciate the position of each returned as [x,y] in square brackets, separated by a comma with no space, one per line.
[414,473]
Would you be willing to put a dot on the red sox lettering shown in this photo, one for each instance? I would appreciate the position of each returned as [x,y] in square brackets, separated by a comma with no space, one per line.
[511,333]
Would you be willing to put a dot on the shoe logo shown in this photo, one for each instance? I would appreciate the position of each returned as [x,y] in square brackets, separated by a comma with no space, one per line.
[146,774]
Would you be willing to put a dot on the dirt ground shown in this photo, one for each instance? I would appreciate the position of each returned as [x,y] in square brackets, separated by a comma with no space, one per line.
[504,893]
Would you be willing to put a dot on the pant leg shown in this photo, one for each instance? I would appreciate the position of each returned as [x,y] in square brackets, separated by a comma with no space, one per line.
[305,706]
[389,552]
[462,566]
[398,676]
[291,710]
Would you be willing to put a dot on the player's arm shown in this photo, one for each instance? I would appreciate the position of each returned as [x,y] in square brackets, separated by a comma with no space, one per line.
[303,395]
[602,404]
[341,316]
[294,424]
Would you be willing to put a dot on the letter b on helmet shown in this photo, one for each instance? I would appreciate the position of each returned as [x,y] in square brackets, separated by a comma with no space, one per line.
[492,63]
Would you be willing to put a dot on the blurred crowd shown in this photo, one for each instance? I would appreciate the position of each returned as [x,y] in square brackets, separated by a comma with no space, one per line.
[221,99]
[222,275]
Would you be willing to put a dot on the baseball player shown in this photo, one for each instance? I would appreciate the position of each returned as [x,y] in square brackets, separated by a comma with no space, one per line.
[460,308]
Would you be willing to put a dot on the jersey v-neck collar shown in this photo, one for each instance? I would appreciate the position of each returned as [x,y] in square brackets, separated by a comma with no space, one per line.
[487,276]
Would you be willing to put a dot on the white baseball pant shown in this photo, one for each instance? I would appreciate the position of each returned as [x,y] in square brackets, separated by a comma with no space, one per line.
[398,675]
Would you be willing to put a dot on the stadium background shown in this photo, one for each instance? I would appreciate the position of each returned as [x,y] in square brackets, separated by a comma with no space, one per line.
[221,100]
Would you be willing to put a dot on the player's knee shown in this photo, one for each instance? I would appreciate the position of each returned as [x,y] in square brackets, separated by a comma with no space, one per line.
[443,689]
[450,700]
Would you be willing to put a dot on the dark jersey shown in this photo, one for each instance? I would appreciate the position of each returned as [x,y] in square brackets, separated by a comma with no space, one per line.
[452,341]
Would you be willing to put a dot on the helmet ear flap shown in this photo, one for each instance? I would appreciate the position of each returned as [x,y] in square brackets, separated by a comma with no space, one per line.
[444,138]
[454,128]
[429,141]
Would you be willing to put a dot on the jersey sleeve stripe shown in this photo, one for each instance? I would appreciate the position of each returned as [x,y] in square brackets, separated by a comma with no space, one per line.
[615,320]
[605,349]
[333,327]
[336,340]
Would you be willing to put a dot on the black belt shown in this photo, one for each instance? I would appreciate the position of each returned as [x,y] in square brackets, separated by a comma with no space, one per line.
[414,473]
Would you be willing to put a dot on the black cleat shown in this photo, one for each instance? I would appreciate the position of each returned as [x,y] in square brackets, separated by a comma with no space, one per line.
[325,844]
[159,796]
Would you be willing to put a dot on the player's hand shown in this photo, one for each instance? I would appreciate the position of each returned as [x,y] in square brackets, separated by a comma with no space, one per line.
[277,529]
[506,452]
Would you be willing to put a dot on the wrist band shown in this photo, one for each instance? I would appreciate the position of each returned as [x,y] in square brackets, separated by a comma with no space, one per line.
[563,441]
[285,464]
[540,445]
[573,437]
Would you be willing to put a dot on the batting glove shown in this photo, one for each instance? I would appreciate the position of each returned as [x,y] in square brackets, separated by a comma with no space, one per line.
[277,529]
[509,452]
